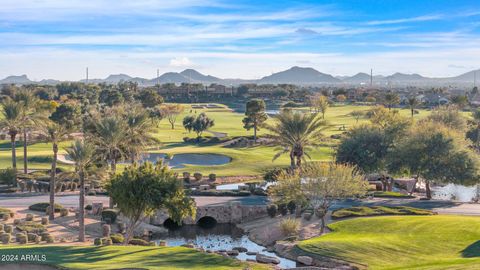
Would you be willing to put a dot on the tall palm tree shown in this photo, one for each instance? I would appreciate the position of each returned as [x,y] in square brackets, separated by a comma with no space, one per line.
[295,133]
[32,115]
[413,103]
[11,122]
[110,138]
[53,133]
[139,133]
[82,153]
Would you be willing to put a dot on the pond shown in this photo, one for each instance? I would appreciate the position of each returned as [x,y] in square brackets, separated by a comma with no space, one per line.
[180,160]
[218,237]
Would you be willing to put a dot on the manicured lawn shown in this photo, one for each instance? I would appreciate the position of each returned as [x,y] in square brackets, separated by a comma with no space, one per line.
[363,211]
[406,242]
[245,161]
[115,257]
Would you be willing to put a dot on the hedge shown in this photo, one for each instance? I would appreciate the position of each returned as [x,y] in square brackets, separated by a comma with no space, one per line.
[31,227]
[42,207]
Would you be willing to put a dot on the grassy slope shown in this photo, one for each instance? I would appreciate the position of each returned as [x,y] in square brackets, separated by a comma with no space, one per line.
[114,257]
[246,161]
[409,242]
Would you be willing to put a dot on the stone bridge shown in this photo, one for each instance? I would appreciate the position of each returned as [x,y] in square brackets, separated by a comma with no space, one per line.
[230,212]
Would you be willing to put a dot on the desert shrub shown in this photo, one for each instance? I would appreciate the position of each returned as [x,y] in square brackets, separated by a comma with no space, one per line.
[2,227]
[44,236]
[186,176]
[49,239]
[272,174]
[291,205]
[33,237]
[29,217]
[21,238]
[169,155]
[31,227]
[8,228]
[45,221]
[8,177]
[117,238]
[272,210]
[6,238]
[109,215]
[64,212]
[107,241]
[140,242]
[4,212]
[290,226]
[88,207]
[198,176]
[212,177]
[42,207]
[92,193]
[97,241]
[282,209]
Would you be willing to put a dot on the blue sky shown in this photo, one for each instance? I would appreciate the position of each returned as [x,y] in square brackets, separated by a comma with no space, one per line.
[237,39]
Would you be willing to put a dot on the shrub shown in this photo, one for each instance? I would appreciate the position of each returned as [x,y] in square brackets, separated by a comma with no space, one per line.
[363,211]
[49,239]
[272,210]
[289,226]
[45,221]
[169,155]
[21,238]
[97,241]
[282,209]
[291,205]
[272,174]
[92,193]
[139,242]
[29,217]
[391,194]
[33,237]
[1,227]
[88,207]
[8,177]
[42,207]
[8,228]
[31,227]
[6,213]
[109,215]
[64,212]
[198,176]
[44,236]
[186,176]
[212,177]
[74,186]
[6,238]
[107,241]
[117,238]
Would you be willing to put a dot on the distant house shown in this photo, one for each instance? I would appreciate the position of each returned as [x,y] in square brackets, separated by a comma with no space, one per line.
[434,99]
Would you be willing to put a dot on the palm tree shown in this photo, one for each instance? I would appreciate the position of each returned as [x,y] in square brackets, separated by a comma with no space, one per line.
[295,133]
[53,133]
[82,153]
[11,122]
[413,103]
[31,117]
[139,133]
[110,138]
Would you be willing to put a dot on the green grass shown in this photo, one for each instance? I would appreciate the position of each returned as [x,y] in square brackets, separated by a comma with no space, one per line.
[362,211]
[391,194]
[115,257]
[407,242]
[245,161]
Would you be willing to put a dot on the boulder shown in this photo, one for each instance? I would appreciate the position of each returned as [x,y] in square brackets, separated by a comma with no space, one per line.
[306,260]
[252,253]
[266,259]
[233,252]
[240,249]
[188,245]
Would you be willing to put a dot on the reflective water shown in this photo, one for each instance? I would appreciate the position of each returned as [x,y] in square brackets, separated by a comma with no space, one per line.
[219,237]
[179,160]
[455,192]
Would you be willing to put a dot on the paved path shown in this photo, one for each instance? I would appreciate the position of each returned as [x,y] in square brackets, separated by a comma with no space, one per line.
[71,200]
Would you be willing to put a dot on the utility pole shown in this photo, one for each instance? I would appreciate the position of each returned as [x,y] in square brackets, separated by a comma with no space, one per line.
[371,77]
[87,75]
[474,78]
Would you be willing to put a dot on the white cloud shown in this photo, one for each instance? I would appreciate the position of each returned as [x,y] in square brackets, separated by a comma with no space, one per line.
[407,20]
[181,62]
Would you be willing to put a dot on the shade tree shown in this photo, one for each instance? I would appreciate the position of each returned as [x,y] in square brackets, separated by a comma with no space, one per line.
[255,116]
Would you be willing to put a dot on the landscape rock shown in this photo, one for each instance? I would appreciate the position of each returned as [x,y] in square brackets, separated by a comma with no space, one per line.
[266,259]
[240,249]
[251,253]
[306,260]
[188,245]
[233,252]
